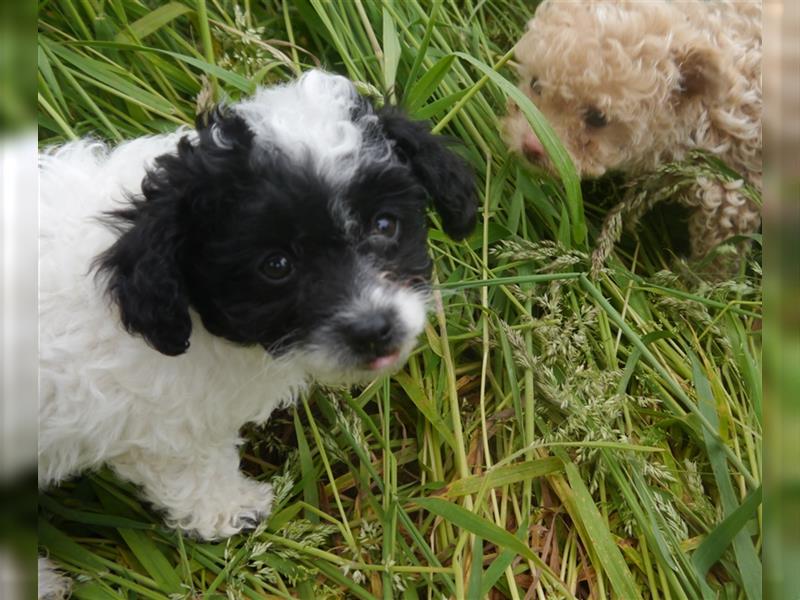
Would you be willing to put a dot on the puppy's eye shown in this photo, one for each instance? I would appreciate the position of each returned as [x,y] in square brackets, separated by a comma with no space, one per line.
[594,118]
[536,87]
[277,266]
[386,226]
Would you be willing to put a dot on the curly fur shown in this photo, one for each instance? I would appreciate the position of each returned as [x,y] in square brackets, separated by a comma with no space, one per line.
[52,585]
[668,77]
[153,362]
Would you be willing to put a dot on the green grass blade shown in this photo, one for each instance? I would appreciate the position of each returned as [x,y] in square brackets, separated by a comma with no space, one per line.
[61,545]
[93,518]
[502,476]
[438,106]
[45,68]
[239,82]
[307,469]
[487,530]
[391,52]
[420,400]
[153,21]
[749,565]
[141,545]
[95,591]
[205,37]
[152,559]
[713,547]
[57,118]
[422,51]
[101,72]
[476,571]
[605,549]
[499,565]
[427,84]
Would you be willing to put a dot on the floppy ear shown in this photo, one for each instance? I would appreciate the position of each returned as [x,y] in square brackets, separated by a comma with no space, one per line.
[144,274]
[142,268]
[700,72]
[446,176]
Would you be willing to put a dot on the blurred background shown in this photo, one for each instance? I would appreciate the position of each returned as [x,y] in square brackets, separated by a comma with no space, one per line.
[18,199]
[782,299]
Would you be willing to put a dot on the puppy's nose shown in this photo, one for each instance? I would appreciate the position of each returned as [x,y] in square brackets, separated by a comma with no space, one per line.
[531,147]
[371,333]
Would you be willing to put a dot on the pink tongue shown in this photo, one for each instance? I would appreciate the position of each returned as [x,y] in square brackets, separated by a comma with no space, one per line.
[383,361]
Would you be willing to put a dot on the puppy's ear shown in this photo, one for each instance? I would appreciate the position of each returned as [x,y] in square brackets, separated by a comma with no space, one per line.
[142,268]
[700,72]
[446,176]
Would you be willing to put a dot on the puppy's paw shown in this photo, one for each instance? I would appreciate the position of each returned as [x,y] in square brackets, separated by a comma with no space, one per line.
[234,509]
[204,494]
[248,520]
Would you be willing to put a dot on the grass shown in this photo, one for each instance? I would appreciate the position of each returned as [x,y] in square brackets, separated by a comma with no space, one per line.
[557,434]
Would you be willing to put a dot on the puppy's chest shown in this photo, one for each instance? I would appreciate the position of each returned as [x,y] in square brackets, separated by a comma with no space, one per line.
[233,384]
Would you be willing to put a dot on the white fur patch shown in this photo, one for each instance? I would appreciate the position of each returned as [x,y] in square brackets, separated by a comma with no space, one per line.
[407,304]
[310,119]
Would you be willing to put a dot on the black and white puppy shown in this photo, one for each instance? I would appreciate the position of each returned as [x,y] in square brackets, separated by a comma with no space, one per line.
[283,241]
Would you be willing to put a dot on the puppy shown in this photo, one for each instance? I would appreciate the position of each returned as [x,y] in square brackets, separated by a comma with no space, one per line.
[630,85]
[196,281]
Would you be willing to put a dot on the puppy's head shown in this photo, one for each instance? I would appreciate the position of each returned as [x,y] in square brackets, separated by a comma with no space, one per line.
[621,83]
[296,221]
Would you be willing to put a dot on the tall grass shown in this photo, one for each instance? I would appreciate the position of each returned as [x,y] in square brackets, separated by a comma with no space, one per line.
[555,435]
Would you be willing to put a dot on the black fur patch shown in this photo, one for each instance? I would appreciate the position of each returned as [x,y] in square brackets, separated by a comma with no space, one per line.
[212,213]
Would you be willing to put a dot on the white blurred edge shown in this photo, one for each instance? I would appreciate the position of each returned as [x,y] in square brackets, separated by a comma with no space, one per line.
[18,305]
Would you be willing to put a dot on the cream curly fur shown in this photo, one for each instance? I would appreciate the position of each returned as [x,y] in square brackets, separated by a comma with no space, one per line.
[669,77]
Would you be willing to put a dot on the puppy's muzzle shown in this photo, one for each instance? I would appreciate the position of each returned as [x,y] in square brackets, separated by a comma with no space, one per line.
[528,144]
[375,337]
[532,148]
